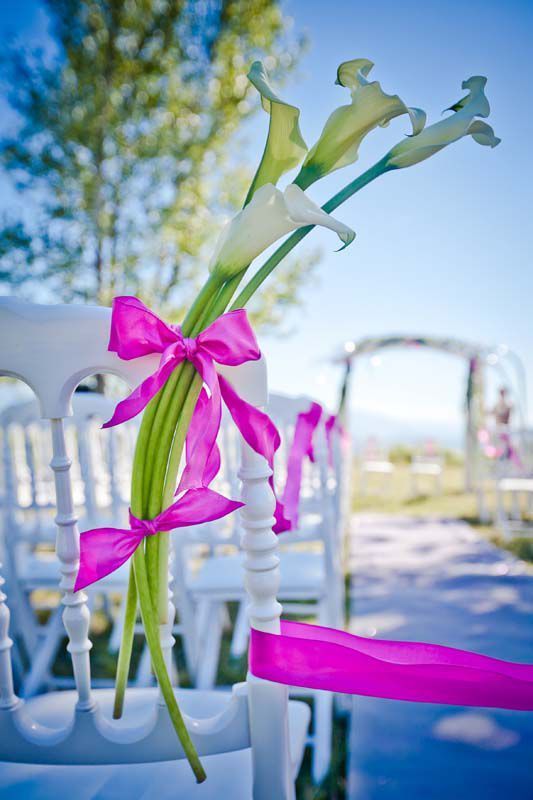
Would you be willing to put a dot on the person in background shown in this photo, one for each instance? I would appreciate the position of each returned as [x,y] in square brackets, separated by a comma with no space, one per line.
[503,409]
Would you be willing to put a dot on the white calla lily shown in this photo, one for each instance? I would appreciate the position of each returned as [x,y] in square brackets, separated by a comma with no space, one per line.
[338,145]
[461,123]
[285,146]
[269,216]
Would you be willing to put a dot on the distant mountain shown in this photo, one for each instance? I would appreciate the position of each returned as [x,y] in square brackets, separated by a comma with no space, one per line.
[394,430]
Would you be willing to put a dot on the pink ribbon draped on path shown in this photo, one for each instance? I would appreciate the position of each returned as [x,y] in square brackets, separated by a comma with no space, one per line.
[323,658]
[104,550]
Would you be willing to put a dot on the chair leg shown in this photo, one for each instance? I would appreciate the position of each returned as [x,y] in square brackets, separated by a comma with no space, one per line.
[118,625]
[322,735]
[239,640]
[189,631]
[209,654]
[144,675]
[53,633]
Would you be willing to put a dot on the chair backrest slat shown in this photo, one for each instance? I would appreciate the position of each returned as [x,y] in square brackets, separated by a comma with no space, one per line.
[7,690]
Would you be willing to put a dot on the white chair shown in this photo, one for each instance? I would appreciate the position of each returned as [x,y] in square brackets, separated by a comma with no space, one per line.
[312,575]
[251,739]
[506,472]
[428,466]
[101,466]
[376,471]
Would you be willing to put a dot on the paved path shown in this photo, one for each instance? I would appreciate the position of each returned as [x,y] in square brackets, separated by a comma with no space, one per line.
[438,581]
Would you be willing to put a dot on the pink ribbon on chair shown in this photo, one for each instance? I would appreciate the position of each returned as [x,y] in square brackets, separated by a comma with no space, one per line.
[301,448]
[136,331]
[323,658]
[333,423]
[104,550]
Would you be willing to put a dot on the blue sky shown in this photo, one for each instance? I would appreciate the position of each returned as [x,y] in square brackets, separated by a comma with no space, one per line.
[442,248]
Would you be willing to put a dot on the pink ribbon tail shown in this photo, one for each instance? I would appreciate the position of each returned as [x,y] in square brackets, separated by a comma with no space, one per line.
[104,550]
[323,658]
[301,448]
[334,424]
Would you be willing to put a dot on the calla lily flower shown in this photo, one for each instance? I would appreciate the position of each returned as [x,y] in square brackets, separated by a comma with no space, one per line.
[270,215]
[343,132]
[285,147]
[460,123]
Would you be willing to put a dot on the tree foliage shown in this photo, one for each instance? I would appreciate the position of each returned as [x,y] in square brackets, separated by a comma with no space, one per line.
[124,155]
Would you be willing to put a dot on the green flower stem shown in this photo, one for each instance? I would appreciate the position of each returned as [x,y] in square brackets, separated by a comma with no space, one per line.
[123,665]
[163,431]
[158,662]
[262,274]
[139,497]
[181,425]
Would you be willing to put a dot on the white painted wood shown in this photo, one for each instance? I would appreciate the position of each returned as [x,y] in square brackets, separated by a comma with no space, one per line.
[268,702]
[314,575]
[7,691]
[76,615]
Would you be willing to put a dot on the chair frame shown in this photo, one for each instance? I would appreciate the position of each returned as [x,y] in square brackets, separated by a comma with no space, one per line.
[52,348]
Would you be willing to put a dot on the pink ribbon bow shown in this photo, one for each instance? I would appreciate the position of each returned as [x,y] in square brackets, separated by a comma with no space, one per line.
[136,331]
[104,550]
[323,658]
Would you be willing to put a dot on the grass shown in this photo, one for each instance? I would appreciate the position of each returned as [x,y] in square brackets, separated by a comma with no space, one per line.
[452,503]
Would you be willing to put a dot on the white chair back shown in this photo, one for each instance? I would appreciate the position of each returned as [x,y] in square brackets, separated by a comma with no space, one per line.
[100,470]
[51,349]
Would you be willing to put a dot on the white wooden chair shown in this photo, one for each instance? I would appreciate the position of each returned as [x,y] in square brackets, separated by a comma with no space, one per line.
[312,575]
[426,465]
[376,471]
[101,472]
[252,739]
[100,469]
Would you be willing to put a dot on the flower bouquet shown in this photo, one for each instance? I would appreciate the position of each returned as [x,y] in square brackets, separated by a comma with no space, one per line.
[182,400]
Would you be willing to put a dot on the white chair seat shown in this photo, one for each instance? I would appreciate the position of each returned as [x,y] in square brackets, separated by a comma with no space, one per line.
[378,466]
[516,485]
[426,469]
[302,575]
[40,570]
[229,774]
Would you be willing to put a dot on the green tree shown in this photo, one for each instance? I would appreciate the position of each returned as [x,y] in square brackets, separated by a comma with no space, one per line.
[123,149]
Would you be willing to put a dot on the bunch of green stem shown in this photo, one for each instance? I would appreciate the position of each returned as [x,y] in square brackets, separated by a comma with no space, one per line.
[156,463]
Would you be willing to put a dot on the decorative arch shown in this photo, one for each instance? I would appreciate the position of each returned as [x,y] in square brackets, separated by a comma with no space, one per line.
[477,358]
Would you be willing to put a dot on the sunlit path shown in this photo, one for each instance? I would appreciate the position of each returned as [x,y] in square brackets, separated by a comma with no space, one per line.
[438,581]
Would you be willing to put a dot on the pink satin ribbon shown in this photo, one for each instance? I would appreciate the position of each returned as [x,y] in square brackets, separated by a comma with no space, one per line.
[322,658]
[334,424]
[136,331]
[301,448]
[104,550]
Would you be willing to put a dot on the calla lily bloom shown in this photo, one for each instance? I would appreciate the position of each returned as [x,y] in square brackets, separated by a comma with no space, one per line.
[285,147]
[270,215]
[343,132]
[461,123]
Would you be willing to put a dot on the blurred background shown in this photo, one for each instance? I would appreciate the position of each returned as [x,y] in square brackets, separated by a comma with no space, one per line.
[129,134]
[130,131]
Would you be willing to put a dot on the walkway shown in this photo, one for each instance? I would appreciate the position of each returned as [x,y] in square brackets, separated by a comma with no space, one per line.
[438,581]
